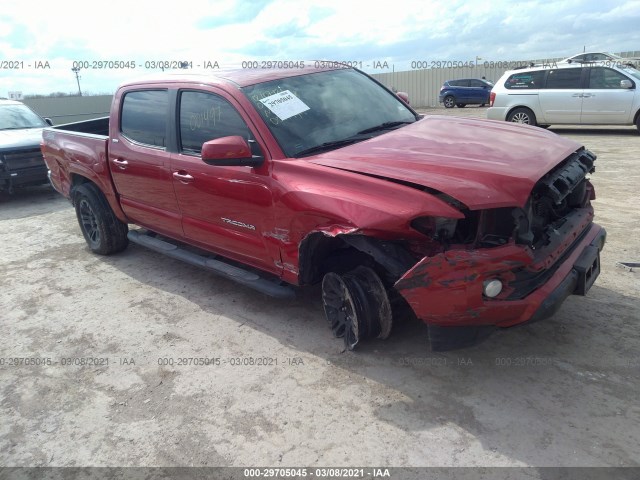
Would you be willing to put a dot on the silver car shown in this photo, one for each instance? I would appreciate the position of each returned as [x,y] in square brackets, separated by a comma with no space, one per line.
[584,94]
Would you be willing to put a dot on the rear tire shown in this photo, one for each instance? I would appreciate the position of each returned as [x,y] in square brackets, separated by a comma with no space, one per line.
[449,101]
[103,231]
[523,116]
[638,122]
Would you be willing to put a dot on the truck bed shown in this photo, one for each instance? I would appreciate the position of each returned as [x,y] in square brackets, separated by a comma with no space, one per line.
[77,152]
[96,126]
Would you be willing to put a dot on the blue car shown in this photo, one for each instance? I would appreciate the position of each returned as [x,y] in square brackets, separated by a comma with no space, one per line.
[464,92]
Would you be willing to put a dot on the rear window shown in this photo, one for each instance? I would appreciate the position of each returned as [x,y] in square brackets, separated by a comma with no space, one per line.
[144,117]
[524,80]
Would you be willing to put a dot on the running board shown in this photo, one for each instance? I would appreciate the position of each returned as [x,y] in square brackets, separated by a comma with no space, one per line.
[239,275]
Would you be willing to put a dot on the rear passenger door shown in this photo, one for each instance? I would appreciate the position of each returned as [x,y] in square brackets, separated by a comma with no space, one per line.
[140,163]
[604,99]
[463,92]
[561,98]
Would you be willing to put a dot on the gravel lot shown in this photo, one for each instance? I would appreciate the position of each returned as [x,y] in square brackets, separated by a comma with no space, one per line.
[563,392]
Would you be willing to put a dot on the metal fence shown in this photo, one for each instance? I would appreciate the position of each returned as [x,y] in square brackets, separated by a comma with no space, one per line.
[71,109]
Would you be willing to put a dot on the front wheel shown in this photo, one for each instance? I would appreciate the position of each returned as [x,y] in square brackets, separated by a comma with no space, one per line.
[522,115]
[449,102]
[103,231]
[356,305]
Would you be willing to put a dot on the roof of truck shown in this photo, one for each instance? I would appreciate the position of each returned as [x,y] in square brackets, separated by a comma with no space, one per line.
[241,77]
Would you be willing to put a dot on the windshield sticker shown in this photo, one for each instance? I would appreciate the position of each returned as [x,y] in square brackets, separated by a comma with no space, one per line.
[284,104]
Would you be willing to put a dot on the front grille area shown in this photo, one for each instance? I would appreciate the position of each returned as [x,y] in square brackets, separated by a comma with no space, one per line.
[22,159]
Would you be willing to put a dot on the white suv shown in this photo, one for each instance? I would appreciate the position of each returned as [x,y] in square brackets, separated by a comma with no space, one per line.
[591,94]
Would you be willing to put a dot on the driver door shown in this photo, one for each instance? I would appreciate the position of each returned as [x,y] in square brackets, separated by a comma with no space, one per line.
[224,209]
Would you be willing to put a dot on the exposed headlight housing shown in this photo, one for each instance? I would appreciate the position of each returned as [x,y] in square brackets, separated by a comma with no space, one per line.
[438,228]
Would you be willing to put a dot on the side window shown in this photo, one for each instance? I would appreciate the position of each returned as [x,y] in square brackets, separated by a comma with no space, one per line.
[566,78]
[204,117]
[477,83]
[600,77]
[597,57]
[144,117]
[525,80]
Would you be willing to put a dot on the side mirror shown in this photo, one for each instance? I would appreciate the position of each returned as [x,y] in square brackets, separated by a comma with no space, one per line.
[404,96]
[48,121]
[231,151]
[626,84]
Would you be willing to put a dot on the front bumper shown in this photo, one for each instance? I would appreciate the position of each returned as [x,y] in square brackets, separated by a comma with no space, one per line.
[9,179]
[446,290]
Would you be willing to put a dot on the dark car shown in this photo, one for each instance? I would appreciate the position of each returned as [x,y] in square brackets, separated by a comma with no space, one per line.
[21,162]
[465,92]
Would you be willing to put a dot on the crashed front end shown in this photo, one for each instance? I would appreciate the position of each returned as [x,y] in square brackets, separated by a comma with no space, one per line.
[505,266]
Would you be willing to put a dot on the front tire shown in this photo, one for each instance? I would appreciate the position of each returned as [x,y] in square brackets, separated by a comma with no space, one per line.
[449,102]
[103,231]
[523,116]
[356,305]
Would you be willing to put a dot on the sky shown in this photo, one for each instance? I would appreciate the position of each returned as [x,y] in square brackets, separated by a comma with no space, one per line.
[40,41]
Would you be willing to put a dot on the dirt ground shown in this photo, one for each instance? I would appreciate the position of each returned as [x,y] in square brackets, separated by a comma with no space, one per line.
[138,360]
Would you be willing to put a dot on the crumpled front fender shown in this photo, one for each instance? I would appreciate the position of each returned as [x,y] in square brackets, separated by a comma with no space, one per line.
[447,288]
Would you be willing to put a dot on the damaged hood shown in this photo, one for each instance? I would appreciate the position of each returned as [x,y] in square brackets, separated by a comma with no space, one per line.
[481,163]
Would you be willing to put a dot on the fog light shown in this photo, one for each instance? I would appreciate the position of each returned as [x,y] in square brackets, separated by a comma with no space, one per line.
[492,288]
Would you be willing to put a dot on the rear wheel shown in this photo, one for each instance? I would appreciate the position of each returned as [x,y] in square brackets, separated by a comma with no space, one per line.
[356,305]
[638,122]
[522,115]
[103,231]
[449,102]
[461,105]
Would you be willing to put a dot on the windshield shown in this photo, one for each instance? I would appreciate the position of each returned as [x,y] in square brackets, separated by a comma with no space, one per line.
[326,109]
[13,117]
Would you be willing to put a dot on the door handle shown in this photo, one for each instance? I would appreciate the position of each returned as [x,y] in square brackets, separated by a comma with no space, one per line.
[183,177]
[121,164]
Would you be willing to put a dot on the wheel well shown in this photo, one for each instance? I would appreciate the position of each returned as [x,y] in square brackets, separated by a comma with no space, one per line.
[76,181]
[517,107]
[320,253]
[635,118]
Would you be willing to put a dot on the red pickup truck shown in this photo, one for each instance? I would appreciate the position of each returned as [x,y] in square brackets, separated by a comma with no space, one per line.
[285,178]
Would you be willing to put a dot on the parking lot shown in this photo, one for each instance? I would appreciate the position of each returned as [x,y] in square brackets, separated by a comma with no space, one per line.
[139,360]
